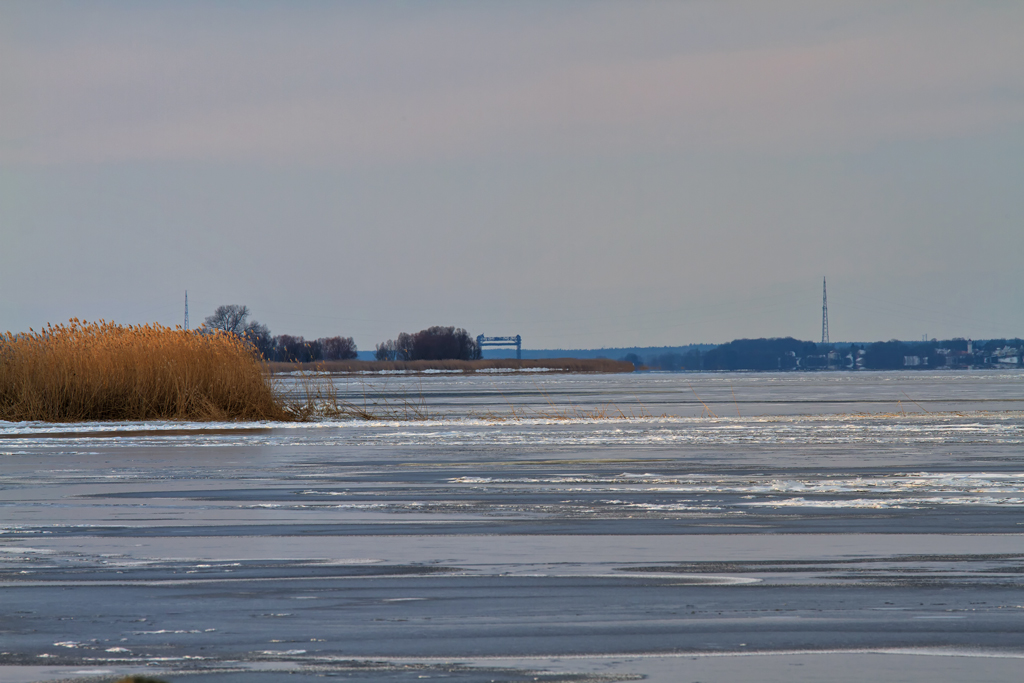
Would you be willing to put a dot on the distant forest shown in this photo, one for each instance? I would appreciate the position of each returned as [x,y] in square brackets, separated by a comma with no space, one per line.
[765,354]
[787,353]
[433,343]
[617,353]
[282,348]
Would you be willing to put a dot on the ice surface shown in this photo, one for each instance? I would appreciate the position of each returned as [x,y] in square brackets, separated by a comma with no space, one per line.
[819,524]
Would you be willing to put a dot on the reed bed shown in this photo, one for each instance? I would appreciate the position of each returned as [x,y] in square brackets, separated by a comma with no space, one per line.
[318,397]
[104,371]
[344,367]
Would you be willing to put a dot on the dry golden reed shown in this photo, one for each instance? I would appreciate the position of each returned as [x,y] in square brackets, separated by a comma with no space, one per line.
[103,371]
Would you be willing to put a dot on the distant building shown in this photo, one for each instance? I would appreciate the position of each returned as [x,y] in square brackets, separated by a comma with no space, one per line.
[1007,355]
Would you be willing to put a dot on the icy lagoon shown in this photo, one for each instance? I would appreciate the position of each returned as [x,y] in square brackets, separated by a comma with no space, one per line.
[678,527]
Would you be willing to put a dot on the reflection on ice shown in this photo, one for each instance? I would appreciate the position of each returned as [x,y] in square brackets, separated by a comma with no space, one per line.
[891,503]
[1002,428]
[822,515]
[962,488]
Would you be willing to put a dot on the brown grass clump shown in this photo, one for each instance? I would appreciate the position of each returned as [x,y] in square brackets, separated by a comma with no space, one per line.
[465,366]
[319,398]
[103,371]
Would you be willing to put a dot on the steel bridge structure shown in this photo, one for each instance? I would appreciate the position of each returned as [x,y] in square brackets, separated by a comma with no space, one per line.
[515,341]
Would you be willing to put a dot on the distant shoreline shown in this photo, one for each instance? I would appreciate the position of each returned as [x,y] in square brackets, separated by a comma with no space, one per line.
[496,365]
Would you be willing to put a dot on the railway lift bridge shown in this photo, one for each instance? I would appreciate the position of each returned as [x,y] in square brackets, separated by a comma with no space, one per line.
[515,341]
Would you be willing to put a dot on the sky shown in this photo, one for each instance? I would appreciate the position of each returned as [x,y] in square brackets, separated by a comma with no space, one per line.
[584,174]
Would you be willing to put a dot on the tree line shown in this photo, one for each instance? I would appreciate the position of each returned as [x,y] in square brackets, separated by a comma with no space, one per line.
[777,353]
[739,354]
[893,354]
[787,353]
[285,347]
[433,343]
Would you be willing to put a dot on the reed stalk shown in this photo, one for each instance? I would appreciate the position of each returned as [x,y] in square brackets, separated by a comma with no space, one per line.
[83,371]
[319,398]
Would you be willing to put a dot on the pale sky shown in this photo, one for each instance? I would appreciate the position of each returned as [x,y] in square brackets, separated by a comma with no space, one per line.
[585,174]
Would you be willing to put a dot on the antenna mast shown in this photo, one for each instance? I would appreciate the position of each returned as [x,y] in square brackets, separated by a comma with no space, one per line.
[824,313]
[186,309]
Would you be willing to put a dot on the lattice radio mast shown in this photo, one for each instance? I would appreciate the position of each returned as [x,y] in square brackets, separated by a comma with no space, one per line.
[824,313]
[186,309]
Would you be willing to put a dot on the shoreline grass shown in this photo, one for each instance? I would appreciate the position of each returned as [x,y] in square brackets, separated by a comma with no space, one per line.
[322,399]
[558,365]
[102,371]
[106,372]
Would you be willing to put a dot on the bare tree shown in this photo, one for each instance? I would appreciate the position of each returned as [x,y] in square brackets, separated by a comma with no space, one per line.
[441,343]
[385,350]
[259,336]
[338,348]
[395,349]
[235,319]
[433,343]
[296,349]
[231,318]
[403,346]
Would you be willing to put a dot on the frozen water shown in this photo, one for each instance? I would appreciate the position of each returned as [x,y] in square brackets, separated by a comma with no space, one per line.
[716,527]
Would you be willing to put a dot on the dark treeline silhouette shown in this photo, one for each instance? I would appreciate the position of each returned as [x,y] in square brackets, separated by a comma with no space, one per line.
[288,349]
[759,354]
[893,354]
[670,360]
[433,343]
[786,353]
[766,354]
[283,348]
[740,354]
